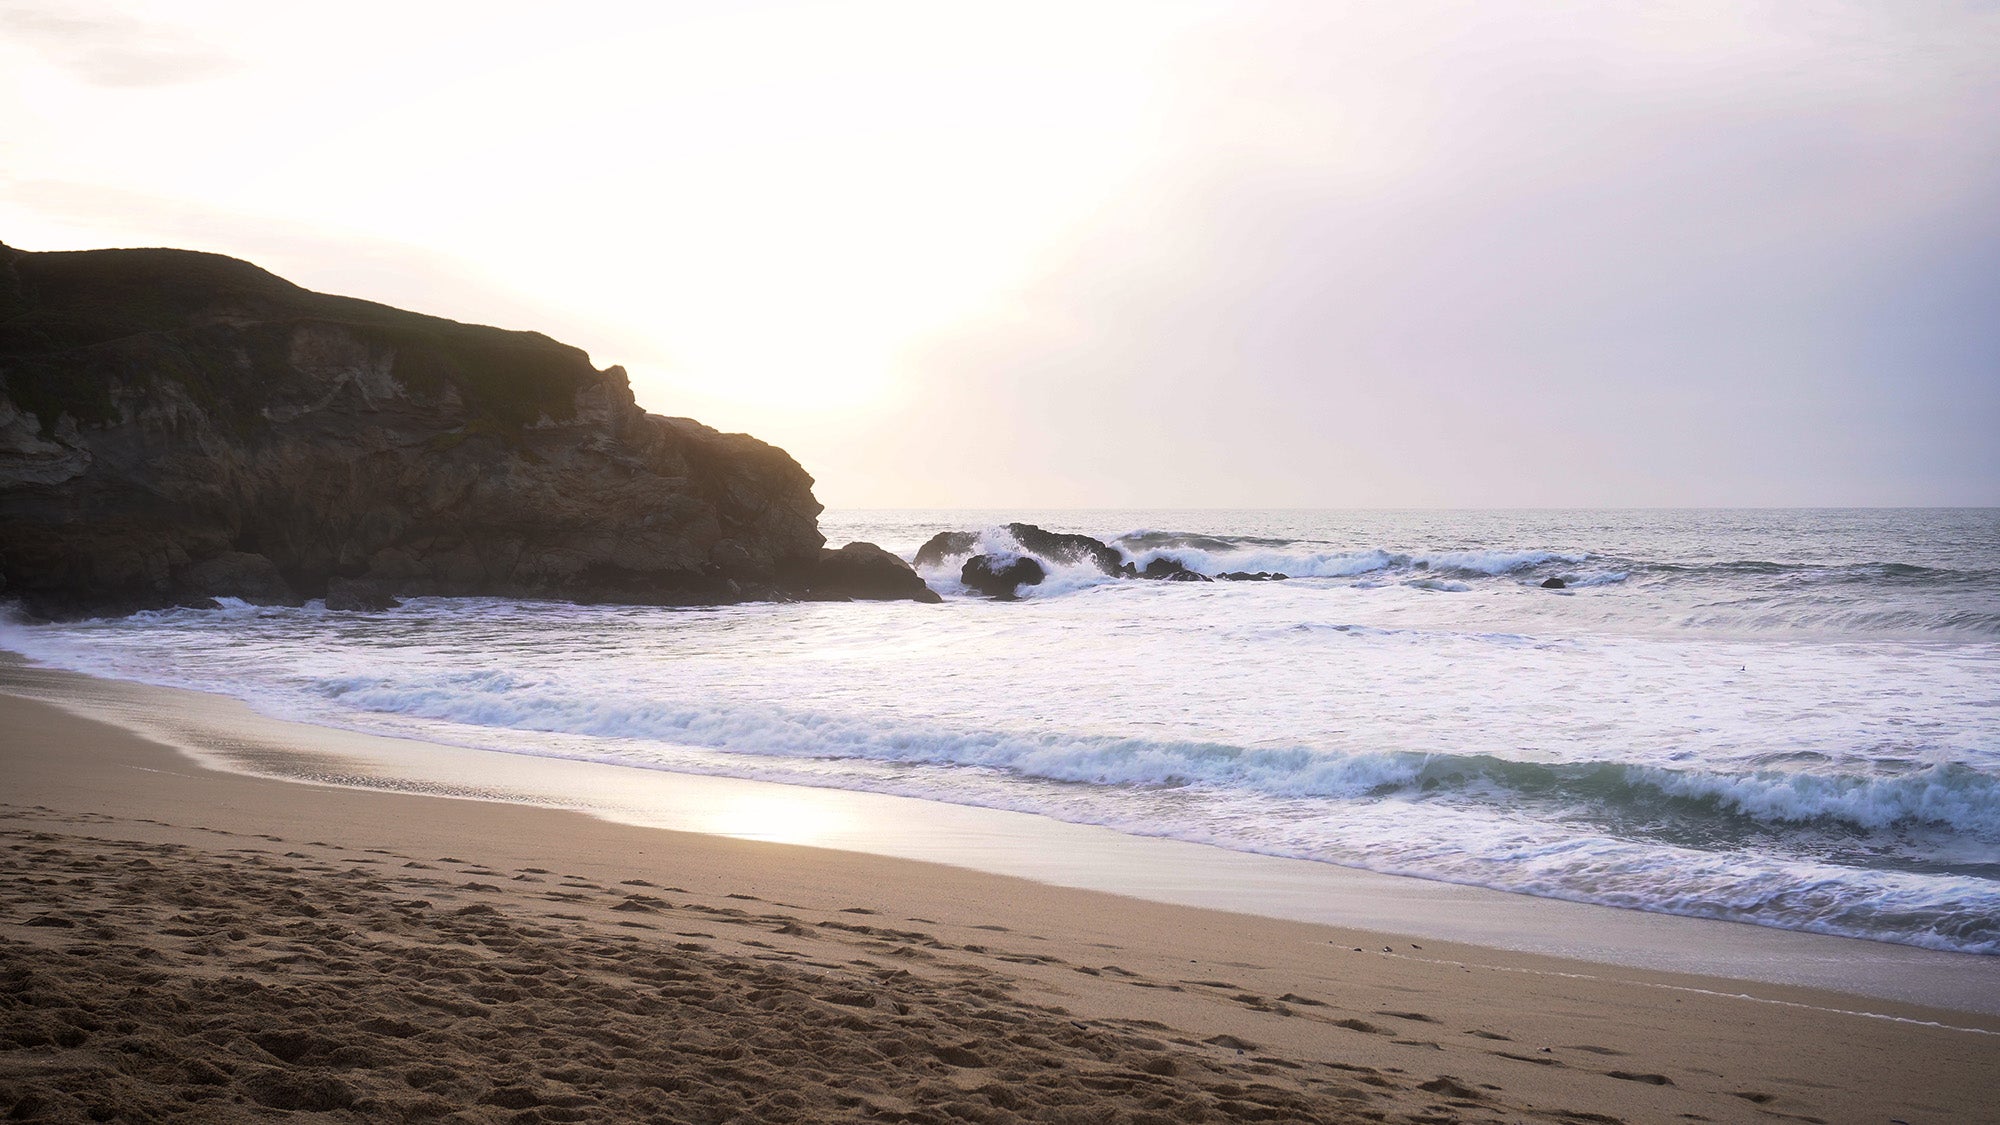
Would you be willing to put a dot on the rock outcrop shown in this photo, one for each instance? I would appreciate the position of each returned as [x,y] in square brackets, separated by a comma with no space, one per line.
[1062,547]
[1000,577]
[865,572]
[1172,570]
[1054,546]
[946,545]
[177,426]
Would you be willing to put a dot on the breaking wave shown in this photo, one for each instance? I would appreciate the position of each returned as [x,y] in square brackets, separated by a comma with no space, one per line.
[1732,596]
[1707,843]
[1952,797]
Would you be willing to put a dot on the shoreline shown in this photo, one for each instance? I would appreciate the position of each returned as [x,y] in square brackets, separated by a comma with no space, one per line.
[1197,1013]
[226,734]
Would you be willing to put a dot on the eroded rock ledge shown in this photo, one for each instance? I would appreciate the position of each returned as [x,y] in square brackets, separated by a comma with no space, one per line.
[178,426]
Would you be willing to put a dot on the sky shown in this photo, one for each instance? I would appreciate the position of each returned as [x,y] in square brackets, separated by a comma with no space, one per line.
[1502,253]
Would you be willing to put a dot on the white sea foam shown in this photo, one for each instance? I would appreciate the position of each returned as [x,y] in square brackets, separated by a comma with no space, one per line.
[1957,798]
[1350,564]
[1936,794]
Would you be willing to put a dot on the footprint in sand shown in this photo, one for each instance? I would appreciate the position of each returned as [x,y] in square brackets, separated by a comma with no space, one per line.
[959,1056]
[1451,1088]
[1538,1060]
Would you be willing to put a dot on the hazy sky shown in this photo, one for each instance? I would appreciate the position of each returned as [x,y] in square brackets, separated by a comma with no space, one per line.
[1492,253]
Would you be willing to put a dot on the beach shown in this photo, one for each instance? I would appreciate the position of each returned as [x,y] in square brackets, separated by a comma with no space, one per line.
[800,562]
[187,943]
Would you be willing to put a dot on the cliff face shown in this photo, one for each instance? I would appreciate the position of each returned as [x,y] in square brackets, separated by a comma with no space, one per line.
[176,425]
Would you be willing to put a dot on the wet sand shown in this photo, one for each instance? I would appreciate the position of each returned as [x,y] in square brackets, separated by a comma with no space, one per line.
[184,943]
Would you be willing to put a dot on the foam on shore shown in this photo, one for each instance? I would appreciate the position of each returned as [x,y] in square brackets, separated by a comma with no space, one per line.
[226,734]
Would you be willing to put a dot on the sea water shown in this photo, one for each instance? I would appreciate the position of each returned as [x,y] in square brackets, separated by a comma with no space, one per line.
[1790,718]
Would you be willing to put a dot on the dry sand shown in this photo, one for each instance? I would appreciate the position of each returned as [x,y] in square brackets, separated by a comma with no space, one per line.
[184,944]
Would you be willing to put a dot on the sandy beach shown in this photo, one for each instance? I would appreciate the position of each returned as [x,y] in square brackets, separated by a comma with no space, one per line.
[181,943]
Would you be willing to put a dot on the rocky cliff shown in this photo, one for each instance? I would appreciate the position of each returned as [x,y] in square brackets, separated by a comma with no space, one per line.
[176,426]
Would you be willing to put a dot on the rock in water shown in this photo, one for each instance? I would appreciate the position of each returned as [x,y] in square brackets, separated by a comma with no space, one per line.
[989,574]
[1059,547]
[1055,546]
[867,572]
[1000,576]
[945,545]
[176,425]
[1171,570]
[1554,584]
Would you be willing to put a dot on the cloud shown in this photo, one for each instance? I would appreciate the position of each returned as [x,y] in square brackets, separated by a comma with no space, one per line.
[112,50]
[1550,257]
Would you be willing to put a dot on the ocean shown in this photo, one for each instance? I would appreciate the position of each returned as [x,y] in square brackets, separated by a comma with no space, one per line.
[1788,718]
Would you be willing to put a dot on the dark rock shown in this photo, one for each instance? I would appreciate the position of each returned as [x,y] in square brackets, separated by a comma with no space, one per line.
[1554,584]
[1069,549]
[1001,577]
[1247,576]
[1066,549]
[1054,546]
[865,571]
[946,545]
[358,595]
[238,574]
[1171,570]
[168,417]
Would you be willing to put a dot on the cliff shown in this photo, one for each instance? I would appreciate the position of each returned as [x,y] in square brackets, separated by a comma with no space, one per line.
[176,426]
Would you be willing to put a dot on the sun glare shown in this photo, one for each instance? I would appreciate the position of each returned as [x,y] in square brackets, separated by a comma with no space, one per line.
[783,217]
[771,208]
[776,817]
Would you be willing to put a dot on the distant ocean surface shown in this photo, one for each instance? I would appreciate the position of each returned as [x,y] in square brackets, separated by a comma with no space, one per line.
[1790,718]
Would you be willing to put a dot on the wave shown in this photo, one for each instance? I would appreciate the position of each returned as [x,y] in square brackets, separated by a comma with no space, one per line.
[1463,564]
[1062,575]
[1744,596]
[1795,835]
[1212,553]
[1953,797]
[1215,555]
[1827,852]
[1791,576]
